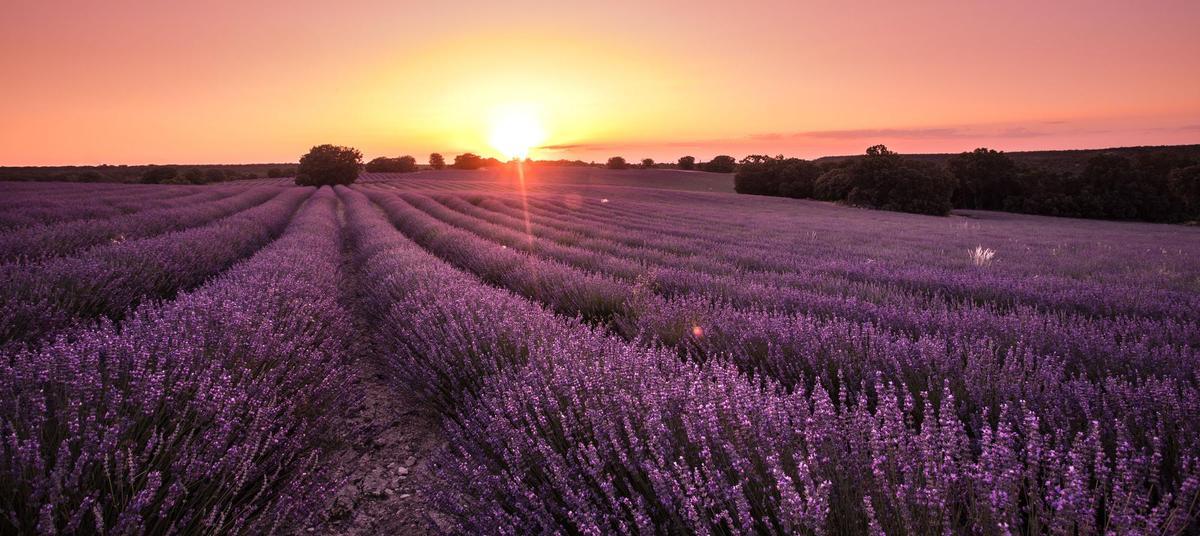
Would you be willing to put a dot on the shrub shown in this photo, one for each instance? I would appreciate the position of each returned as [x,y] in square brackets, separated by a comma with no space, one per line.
[329,165]
[720,164]
[647,163]
[274,173]
[436,161]
[687,162]
[887,181]
[616,162]
[468,161]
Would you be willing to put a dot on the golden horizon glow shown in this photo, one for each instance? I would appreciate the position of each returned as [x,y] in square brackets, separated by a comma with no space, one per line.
[136,81]
[515,130]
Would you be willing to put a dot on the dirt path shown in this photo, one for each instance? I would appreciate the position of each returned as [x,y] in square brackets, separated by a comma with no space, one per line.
[386,457]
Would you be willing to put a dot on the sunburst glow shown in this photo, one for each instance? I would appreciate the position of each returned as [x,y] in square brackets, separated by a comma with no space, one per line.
[515,130]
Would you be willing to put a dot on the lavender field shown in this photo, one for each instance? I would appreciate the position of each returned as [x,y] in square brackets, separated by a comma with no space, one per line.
[602,352]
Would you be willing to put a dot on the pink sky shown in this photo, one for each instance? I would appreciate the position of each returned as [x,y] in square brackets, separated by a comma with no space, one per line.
[157,82]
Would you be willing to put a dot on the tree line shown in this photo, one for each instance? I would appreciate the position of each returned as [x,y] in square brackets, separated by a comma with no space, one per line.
[1158,186]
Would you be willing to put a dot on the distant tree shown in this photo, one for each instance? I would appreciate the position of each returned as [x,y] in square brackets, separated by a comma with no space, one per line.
[274,173]
[764,175]
[616,162]
[406,164]
[378,165]
[89,176]
[985,179]
[1184,184]
[687,162]
[329,165]
[468,161]
[833,185]
[436,161]
[720,164]
[193,176]
[885,180]
[756,176]
[159,174]
[647,163]
[491,162]
[403,164]
[212,175]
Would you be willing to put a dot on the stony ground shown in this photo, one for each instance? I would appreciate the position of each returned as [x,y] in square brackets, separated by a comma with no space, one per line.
[386,453]
[383,465]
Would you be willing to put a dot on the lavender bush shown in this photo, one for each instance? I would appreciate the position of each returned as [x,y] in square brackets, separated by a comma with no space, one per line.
[202,414]
[38,299]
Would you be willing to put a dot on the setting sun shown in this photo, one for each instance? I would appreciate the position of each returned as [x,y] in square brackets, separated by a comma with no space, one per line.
[515,129]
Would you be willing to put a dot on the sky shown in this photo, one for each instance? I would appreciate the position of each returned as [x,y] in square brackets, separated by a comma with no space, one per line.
[126,82]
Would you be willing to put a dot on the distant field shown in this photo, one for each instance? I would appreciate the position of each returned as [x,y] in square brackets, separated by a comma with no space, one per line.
[549,178]
[443,351]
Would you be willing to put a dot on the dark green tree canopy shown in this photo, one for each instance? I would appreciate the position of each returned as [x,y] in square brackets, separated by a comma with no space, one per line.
[720,164]
[468,161]
[328,165]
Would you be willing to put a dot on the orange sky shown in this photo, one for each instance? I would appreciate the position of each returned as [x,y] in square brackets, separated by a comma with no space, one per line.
[156,82]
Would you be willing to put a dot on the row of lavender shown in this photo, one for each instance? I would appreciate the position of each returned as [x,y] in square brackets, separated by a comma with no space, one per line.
[925,433]
[27,204]
[204,414]
[39,298]
[37,242]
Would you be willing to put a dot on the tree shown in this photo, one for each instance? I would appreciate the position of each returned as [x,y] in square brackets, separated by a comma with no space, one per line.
[764,175]
[468,161]
[193,176]
[274,173]
[647,163]
[687,162]
[833,185]
[436,161]
[985,179]
[616,162]
[328,165]
[1185,186]
[403,164]
[885,180]
[212,175]
[720,164]
[159,174]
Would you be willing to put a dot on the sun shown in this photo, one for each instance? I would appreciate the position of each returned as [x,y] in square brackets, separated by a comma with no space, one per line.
[515,129]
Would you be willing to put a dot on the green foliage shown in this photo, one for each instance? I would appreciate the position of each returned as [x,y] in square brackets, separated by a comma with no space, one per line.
[720,164]
[833,185]
[329,165]
[1185,186]
[159,174]
[887,181]
[436,161]
[764,175]
[468,161]
[383,164]
[985,179]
